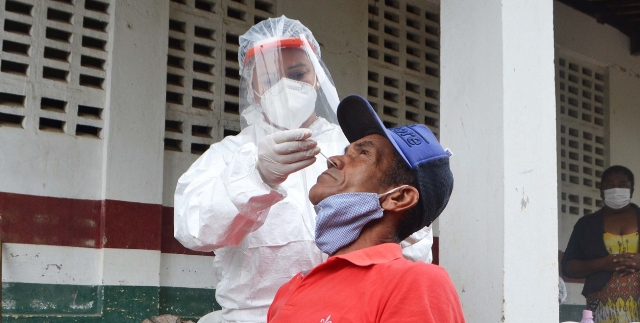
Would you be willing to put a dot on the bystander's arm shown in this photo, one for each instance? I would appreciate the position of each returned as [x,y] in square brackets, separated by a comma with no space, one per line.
[583,268]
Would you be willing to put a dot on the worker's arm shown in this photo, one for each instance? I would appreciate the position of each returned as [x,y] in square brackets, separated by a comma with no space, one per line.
[222,198]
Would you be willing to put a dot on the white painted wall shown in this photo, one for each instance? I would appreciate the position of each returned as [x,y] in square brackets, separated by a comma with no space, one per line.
[624,120]
[187,271]
[49,164]
[498,117]
[603,45]
[582,34]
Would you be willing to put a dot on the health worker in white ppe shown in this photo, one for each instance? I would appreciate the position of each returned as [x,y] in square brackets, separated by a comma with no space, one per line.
[246,197]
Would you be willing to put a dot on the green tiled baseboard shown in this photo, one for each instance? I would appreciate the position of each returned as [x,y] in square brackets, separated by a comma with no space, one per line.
[43,299]
[571,312]
[41,303]
[187,302]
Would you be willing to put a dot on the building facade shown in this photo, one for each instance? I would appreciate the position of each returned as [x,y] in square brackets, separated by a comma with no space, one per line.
[105,103]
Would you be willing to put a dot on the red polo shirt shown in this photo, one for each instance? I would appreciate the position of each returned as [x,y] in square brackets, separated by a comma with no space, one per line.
[374,284]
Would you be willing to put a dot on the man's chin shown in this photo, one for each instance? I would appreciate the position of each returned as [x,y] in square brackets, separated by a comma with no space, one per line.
[315,195]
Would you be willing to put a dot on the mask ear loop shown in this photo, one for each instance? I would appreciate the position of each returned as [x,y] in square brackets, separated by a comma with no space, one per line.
[391,191]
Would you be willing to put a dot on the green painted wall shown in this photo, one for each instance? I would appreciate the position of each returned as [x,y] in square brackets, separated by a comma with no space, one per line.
[40,303]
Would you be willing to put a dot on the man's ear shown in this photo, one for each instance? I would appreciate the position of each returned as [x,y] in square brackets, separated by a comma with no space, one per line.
[401,200]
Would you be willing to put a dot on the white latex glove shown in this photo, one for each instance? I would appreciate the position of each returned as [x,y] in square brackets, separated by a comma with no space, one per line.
[285,152]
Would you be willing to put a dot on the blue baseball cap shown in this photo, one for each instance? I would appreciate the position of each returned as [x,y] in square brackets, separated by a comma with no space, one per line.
[415,143]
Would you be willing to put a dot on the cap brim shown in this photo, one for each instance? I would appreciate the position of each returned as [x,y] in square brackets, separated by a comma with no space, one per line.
[358,120]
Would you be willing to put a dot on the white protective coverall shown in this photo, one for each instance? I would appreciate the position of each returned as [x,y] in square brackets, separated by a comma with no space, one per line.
[262,235]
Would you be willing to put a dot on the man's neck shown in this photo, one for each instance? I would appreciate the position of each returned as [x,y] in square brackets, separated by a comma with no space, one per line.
[375,233]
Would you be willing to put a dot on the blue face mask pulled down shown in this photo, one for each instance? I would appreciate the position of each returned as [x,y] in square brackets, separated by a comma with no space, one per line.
[341,217]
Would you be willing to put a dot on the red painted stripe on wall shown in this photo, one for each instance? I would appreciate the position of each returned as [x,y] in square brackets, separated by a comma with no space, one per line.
[169,243]
[50,221]
[129,225]
[57,221]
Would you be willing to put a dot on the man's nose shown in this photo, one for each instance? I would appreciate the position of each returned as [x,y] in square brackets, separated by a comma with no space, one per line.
[335,161]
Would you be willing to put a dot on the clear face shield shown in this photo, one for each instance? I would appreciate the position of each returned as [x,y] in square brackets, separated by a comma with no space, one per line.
[285,85]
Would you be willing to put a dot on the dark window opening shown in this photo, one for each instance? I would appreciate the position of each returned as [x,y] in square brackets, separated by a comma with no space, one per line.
[176,25]
[236,14]
[13,67]
[202,50]
[53,105]
[58,15]
[172,144]
[204,5]
[13,100]
[201,131]
[56,54]
[92,81]
[202,67]
[54,74]
[16,27]
[201,103]
[16,48]
[92,62]
[91,112]
[202,32]
[174,79]
[90,131]
[94,24]
[18,7]
[173,97]
[57,34]
[231,107]
[95,43]
[201,85]
[173,126]
[198,149]
[10,120]
[47,124]
[94,5]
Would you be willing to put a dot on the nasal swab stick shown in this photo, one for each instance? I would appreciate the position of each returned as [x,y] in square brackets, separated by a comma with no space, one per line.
[332,163]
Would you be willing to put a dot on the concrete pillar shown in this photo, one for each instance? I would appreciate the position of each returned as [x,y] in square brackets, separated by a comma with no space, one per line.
[136,100]
[133,146]
[498,236]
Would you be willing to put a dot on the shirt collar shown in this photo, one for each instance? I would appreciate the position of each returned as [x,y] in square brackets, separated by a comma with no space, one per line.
[373,255]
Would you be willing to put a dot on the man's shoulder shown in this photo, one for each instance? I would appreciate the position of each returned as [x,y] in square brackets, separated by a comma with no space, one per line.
[416,270]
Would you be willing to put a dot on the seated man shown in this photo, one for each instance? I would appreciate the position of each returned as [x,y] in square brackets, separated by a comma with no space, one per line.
[389,184]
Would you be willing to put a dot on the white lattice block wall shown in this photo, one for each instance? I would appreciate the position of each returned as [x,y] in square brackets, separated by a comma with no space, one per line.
[203,80]
[58,49]
[53,71]
[404,62]
[582,154]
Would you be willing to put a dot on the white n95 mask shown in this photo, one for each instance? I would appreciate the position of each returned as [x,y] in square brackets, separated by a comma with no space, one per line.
[617,198]
[289,103]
